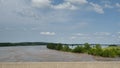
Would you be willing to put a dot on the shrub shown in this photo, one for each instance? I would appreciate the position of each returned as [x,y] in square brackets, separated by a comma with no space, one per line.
[78,49]
[87,47]
[95,52]
[92,51]
[112,45]
[98,50]
[109,53]
[118,53]
[51,46]
[66,48]
[59,47]
[98,46]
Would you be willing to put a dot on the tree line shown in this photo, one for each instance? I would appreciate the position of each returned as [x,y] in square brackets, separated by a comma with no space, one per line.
[111,51]
[22,44]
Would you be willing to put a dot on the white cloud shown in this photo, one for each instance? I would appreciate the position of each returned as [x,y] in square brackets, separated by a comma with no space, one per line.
[119,37]
[118,32]
[70,4]
[65,5]
[81,34]
[27,12]
[41,3]
[102,33]
[47,33]
[85,37]
[77,1]
[73,37]
[108,6]
[97,8]
[117,4]
[105,1]
[99,37]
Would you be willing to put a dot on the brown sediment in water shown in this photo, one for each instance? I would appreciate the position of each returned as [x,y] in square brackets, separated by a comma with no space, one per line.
[42,54]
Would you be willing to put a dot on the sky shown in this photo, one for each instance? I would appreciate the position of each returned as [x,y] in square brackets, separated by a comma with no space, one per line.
[61,21]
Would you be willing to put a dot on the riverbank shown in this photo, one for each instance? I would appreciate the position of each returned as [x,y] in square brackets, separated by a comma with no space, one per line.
[39,54]
[42,54]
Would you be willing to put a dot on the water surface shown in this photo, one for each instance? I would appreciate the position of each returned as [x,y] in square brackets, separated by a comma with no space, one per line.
[39,54]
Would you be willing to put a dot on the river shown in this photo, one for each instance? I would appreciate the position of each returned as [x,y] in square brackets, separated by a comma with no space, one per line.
[42,54]
[39,54]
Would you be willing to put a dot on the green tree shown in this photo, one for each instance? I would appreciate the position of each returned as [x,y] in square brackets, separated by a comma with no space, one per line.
[59,46]
[109,53]
[66,48]
[87,47]
[51,45]
[78,49]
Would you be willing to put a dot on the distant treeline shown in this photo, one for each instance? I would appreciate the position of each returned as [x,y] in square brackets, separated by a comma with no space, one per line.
[23,44]
[37,43]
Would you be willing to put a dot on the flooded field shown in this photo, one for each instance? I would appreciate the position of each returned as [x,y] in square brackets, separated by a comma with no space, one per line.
[40,54]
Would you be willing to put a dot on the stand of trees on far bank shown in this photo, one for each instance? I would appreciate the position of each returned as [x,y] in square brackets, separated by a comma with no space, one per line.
[23,44]
[111,51]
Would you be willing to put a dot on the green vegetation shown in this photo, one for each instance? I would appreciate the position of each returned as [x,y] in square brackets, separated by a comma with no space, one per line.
[55,46]
[112,45]
[109,53]
[22,44]
[96,50]
[78,49]
[66,48]
[51,46]
[87,47]
[59,46]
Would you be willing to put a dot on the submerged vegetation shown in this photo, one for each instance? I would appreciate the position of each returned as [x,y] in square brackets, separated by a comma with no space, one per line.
[97,50]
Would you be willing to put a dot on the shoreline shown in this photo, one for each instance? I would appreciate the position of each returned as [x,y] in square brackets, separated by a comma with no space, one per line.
[42,54]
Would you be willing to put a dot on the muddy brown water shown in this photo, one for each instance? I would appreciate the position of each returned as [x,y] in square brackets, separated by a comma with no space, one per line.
[39,54]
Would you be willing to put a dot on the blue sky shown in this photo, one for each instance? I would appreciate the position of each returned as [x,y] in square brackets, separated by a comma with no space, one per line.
[63,21]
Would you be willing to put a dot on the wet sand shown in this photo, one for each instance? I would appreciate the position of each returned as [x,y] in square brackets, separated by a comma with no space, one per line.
[41,54]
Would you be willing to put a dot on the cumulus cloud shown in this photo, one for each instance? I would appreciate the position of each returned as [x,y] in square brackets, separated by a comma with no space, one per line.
[77,1]
[47,33]
[108,6]
[27,12]
[97,8]
[70,4]
[81,34]
[41,3]
[118,32]
[117,4]
[66,5]
[102,33]
[73,37]
[119,37]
